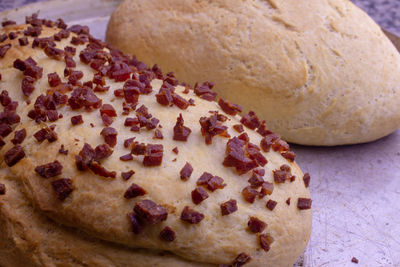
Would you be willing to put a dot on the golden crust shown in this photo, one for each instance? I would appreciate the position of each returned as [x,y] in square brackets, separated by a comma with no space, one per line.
[90,227]
[330,78]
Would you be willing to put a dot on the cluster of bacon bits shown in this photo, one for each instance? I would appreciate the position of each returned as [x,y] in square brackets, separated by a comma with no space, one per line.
[8,119]
[143,119]
[212,126]
[89,158]
[166,95]
[153,153]
[243,155]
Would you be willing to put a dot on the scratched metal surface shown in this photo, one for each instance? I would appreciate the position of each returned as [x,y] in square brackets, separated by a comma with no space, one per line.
[355,189]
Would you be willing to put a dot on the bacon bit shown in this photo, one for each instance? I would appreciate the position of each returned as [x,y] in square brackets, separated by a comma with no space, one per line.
[256,225]
[53,79]
[2,189]
[241,260]
[304,203]
[237,157]
[238,128]
[259,171]
[138,148]
[62,187]
[69,61]
[167,234]
[29,68]
[354,260]
[84,97]
[191,216]
[181,132]
[23,41]
[250,120]
[266,189]
[265,241]
[228,207]
[61,24]
[5,100]
[110,136]
[49,170]
[158,134]
[157,71]
[256,180]
[204,91]
[289,155]
[8,22]
[45,133]
[191,102]
[96,168]
[62,150]
[14,155]
[80,39]
[136,223]
[33,31]
[12,35]
[134,191]
[228,108]
[108,109]
[280,176]
[126,157]
[171,79]
[53,52]
[271,204]
[76,120]
[120,72]
[211,182]
[306,179]
[263,129]
[3,37]
[79,29]
[198,195]
[288,201]
[85,157]
[249,194]
[131,91]
[102,151]
[127,108]
[164,96]
[211,126]
[70,51]
[5,130]
[127,175]
[180,102]
[186,171]
[4,49]
[153,155]
[8,116]
[75,76]
[2,143]
[63,34]
[150,211]
[27,85]
[107,120]
[152,124]
[128,142]
[175,150]
[280,146]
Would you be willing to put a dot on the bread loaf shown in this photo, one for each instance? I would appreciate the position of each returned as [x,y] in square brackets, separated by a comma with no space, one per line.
[106,162]
[320,72]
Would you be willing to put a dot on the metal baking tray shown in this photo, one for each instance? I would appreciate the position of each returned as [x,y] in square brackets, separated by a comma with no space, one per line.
[355,189]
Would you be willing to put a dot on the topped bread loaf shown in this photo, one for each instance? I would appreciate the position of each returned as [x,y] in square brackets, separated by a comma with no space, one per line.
[320,72]
[107,162]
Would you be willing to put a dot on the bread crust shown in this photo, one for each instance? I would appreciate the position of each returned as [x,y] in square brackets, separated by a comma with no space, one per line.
[321,73]
[90,226]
